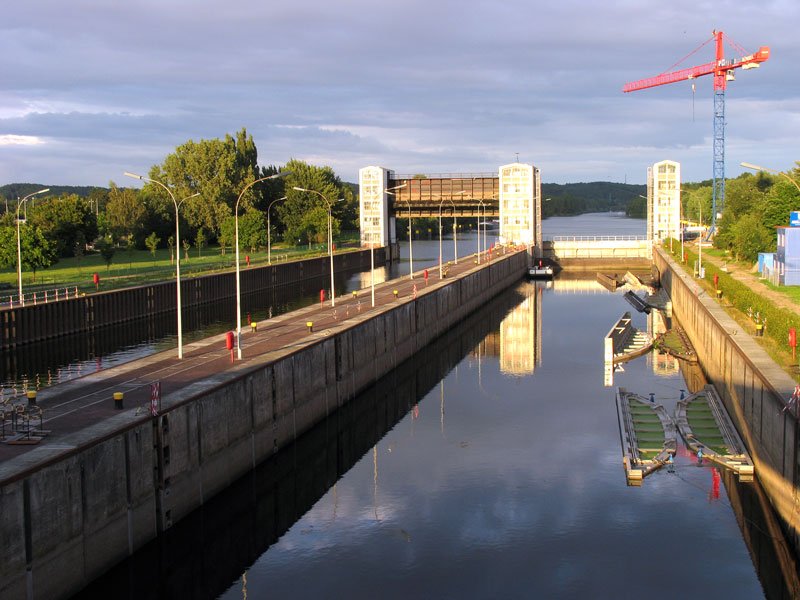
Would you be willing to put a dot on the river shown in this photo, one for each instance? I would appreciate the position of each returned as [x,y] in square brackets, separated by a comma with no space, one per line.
[488,467]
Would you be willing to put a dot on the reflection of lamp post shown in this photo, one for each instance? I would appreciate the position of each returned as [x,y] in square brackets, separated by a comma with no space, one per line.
[19,244]
[330,234]
[757,168]
[238,284]
[177,204]
[269,232]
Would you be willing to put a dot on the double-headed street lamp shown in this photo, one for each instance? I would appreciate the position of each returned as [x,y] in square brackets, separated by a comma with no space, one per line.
[269,231]
[330,233]
[238,284]
[20,203]
[177,204]
[757,168]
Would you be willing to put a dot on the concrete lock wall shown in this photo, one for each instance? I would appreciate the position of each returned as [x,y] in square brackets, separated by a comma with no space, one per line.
[20,325]
[70,513]
[755,389]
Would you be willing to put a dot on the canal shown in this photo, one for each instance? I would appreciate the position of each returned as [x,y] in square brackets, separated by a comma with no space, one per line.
[488,466]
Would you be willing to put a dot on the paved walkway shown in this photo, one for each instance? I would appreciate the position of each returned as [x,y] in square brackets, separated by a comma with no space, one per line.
[752,281]
[79,403]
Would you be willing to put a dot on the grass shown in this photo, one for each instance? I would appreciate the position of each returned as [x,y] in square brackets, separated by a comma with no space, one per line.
[138,267]
[777,350]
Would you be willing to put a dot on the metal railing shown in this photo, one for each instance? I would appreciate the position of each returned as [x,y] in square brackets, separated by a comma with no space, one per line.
[39,297]
[595,238]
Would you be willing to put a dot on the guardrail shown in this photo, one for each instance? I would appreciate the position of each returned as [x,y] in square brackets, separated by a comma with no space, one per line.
[39,297]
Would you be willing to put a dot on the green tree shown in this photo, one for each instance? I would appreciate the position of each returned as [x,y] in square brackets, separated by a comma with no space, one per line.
[106,247]
[750,237]
[125,214]
[37,251]
[252,230]
[200,240]
[62,220]
[152,242]
[217,169]
[305,214]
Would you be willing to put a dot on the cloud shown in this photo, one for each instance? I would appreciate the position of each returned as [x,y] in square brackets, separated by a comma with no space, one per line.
[415,86]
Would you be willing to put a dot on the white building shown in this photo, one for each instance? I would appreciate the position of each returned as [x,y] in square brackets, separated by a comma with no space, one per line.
[664,201]
[520,204]
[376,227]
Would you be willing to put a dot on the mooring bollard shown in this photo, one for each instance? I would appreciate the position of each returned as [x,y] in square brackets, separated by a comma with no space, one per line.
[310,326]
[719,294]
[253,326]
[395,294]
[118,400]
[31,394]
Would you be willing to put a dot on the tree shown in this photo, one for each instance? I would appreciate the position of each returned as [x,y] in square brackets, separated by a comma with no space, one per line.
[218,169]
[106,248]
[305,214]
[125,214]
[37,251]
[171,244]
[252,230]
[186,245]
[152,242]
[750,237]
[200,240]
[62,220]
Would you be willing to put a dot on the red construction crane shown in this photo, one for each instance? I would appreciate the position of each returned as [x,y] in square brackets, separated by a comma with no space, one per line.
[723,71]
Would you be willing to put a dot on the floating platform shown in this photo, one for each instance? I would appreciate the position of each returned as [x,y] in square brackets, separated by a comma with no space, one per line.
[624,342]
[647,435]
[706,428]
[675,343]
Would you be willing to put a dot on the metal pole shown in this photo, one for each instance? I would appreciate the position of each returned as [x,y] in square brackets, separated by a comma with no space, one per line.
[410,246]
[372,269]
[455,237]
[330,251]
[440,240]
[19,243]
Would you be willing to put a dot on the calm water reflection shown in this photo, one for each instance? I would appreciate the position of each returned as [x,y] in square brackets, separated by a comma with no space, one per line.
[505,480]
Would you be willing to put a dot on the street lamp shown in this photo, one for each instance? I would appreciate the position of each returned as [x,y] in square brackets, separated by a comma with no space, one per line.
[330,233]
[757,168]
[19,244]
[269,238]
[440,231]
[177,204]
[455,232]
[238,284]
[483,211]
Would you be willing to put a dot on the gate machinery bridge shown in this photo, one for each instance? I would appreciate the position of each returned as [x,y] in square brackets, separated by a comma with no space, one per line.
[513,195]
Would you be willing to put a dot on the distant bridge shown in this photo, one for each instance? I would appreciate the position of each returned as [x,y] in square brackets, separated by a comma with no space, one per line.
[462,194]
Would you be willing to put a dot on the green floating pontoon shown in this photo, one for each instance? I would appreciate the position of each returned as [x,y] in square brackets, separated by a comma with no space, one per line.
[647,435]
[707,428]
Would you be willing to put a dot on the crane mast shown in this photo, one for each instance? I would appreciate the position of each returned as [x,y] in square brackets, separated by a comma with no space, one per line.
[723,71]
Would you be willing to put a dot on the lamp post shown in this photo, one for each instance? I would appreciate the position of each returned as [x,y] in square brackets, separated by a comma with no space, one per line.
[455,227]
[440,231]
[330,233]
[177,205]
[269,231]
[482,211]
[19,244]
[757,168]
[238,284]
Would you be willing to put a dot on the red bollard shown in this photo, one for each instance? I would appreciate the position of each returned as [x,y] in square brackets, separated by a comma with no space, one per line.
[96,281]
[716,280]
[792,340]
[322,296]
[425,276]
[247,259]
[229,343]
[249,320]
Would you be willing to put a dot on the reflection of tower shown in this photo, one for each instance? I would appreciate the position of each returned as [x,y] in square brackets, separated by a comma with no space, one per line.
[520,334]
[663,364]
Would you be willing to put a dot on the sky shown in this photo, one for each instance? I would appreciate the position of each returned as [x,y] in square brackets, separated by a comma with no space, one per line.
[93,88]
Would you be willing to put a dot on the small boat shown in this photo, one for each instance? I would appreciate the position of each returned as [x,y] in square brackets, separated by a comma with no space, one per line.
[540,271]
[708,431]
[647,434]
